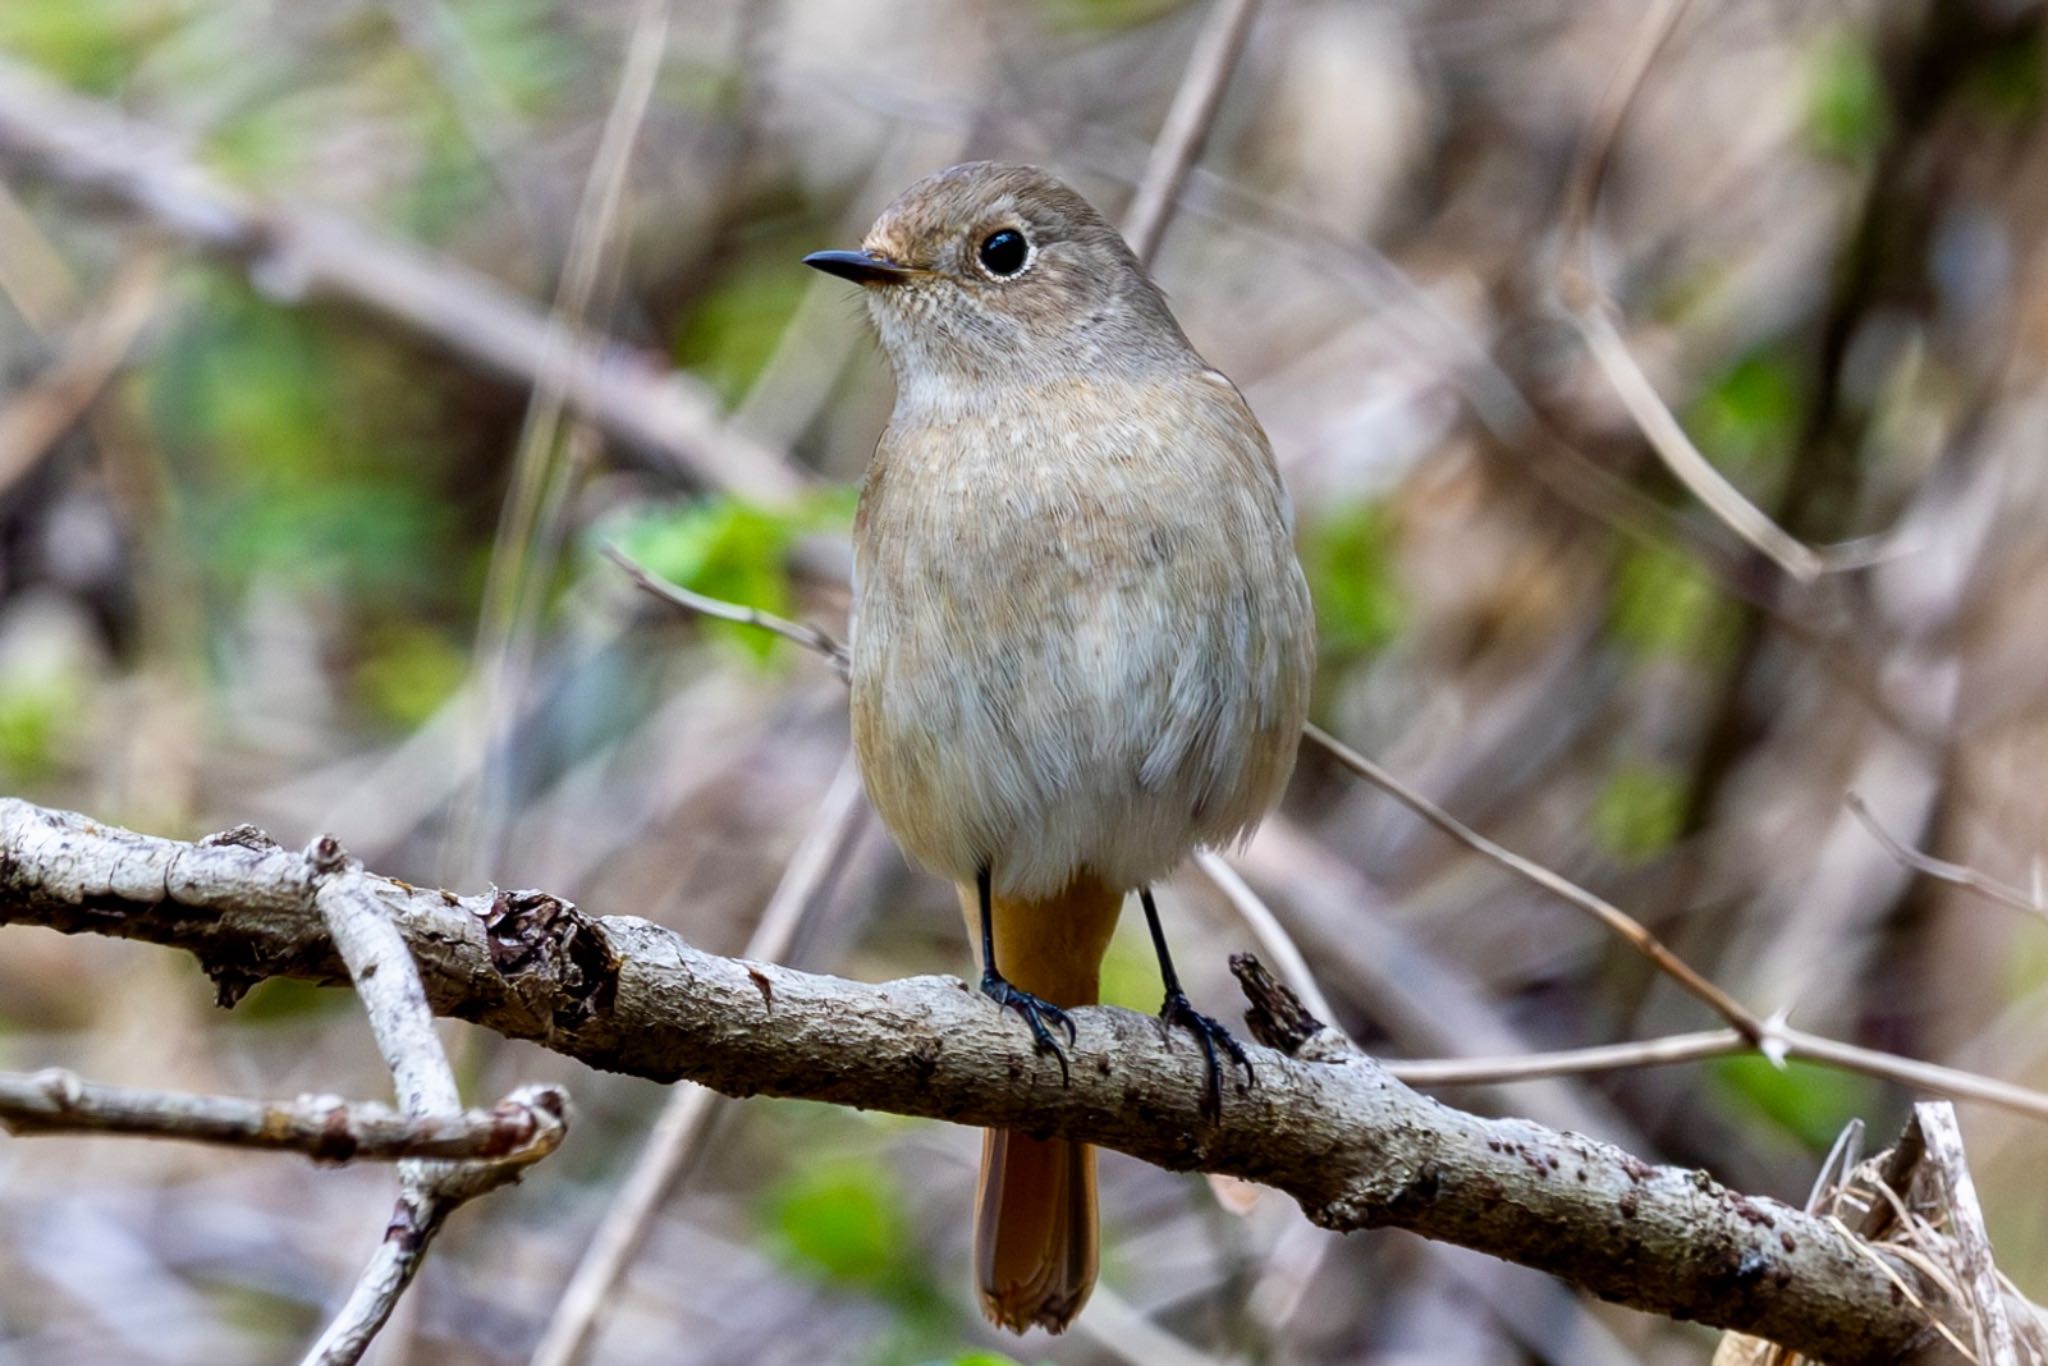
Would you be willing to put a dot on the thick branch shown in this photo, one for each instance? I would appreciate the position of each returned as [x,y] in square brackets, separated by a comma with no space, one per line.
[1328,1126]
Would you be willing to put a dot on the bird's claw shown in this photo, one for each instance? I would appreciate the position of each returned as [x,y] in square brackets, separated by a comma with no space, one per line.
[1208,1033]
[1036,1011]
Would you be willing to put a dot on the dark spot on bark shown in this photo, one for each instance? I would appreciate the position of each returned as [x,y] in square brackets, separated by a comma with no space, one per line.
[1420,1190]
[924,1060]
[243,836]
[546,944]
[1749,1213]
[327,855]
[1628,1205]
[1582,1174]
[1785,1241]
[1637,1169]
[335,1144]
[762,985]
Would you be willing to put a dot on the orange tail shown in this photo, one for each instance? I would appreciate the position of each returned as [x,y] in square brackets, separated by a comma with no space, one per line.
[1034,1215]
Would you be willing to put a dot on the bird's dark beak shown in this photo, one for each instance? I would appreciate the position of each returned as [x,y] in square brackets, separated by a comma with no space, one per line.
[863,268]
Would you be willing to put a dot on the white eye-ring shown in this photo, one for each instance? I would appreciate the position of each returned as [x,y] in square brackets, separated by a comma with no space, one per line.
[1004,253]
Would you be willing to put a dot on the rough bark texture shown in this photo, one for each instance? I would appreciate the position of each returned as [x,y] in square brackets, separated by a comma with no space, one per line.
[1326,1125]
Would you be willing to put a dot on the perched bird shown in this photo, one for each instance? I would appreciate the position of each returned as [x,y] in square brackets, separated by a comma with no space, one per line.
[1082,644]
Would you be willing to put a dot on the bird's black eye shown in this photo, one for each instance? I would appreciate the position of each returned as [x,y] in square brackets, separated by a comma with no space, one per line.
[1004,253]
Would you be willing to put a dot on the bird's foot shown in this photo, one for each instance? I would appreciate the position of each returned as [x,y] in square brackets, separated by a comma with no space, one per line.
[1178,1011]
[1036,1012]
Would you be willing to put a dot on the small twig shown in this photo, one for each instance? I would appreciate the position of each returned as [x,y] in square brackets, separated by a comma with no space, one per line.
[1667,437]
[813,638]
[1996,1344]
[1188,120]
[523,1127]
[388,983]
[1758,1032]
[1957,874]
[678,1134]
[39,412]
[1585,301]
[1274,940]
[1569,1062]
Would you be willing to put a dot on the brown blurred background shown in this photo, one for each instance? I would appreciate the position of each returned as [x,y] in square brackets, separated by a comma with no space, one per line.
[271,552]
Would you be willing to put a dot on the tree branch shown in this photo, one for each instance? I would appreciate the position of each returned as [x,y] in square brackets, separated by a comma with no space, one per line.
[1327,1125]
[523,1127]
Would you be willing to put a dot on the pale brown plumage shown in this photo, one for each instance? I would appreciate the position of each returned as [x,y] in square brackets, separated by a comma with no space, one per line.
[1082,645]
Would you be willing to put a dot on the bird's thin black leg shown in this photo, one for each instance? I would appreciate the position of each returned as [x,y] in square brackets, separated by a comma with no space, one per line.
[1178,1011]
[998,989]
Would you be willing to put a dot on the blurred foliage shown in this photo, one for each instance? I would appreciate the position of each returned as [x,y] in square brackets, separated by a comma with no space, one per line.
[1664,604]
[738,322]
[1846,110]
[1810,1104]
[732,550]
[1746,420]
[92,44]
[1640,810]
[1347,553]
[35,715]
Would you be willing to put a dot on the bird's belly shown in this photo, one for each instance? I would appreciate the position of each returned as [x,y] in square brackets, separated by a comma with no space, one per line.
[1052,723]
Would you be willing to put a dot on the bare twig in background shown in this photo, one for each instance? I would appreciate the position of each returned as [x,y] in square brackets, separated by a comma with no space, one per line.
[527,545]
[678,1134]
[1955,874]
[1331,1128]
[1275,943]
[1798,1045]
[1586,303]
[353,911]
[1758,1032]
[1217,48]
[35,415]
[294,252]
[813,638]
[523,1127]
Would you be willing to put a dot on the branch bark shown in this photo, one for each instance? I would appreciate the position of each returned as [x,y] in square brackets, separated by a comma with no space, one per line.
[1326,1124]
[523,1127]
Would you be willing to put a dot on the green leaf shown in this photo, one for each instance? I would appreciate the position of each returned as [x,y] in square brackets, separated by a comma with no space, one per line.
[841,1222]
[736,326]
[91,44]
[1807,1102]
[1747,421]
[1348,553]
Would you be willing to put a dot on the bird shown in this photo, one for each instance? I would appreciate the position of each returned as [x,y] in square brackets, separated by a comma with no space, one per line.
[1081,644]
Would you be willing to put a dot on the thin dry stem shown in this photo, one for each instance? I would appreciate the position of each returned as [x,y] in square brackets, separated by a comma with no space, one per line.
[1188,120]
[523,1127]
[1956,874]
[678,1134]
